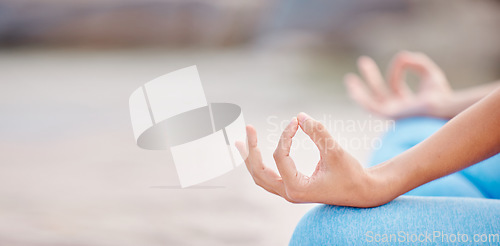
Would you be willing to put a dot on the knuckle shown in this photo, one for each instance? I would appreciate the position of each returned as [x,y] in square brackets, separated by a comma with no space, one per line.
[277,154]
[256,176]
[334,150]
[291,201]
[307,123]
[257,181]
[320,127]
[296,195]
[252,144]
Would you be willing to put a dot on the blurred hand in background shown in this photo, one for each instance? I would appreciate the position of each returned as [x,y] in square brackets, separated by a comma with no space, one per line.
[393,98]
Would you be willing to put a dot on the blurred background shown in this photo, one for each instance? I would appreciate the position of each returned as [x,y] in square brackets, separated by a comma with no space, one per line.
[70,171]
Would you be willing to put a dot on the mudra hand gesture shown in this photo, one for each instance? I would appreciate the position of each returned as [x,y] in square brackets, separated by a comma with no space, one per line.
[338,178]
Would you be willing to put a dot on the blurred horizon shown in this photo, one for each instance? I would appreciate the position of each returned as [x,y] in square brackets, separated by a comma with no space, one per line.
[460,35]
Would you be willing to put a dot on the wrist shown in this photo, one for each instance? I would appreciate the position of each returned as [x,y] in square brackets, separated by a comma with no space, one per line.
[385,184]
[441,107]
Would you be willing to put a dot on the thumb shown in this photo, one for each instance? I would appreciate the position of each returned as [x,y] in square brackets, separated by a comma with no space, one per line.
[417,62]
[318,133]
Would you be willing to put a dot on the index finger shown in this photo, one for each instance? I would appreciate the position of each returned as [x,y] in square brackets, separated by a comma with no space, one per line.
[373,77]
[405,60]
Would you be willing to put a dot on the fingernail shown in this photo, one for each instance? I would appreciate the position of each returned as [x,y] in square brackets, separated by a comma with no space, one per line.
[302,117]
[293,121]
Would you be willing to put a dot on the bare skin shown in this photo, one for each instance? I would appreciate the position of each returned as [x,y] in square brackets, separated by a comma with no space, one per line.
[339,179]
[395,100]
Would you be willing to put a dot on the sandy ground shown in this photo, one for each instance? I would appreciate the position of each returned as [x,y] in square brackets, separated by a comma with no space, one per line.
[71,174]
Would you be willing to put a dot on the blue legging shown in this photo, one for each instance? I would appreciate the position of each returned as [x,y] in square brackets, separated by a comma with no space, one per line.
[449,210]
[481,180]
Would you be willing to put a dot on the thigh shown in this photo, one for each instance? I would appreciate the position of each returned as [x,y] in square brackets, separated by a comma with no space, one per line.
[485,176]
[405,134]
[406,220]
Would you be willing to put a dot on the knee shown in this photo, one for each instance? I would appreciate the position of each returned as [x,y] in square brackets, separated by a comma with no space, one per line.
[325,225]
[332,225]
[308,227]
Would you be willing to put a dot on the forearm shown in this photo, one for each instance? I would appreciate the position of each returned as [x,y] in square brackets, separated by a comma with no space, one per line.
[462,99]
[470,137]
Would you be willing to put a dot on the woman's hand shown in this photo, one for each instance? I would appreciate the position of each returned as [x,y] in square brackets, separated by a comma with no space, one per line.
[472,136]
[396,100]
[339,179]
